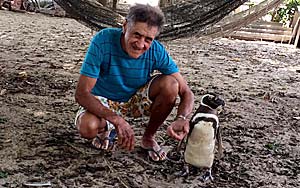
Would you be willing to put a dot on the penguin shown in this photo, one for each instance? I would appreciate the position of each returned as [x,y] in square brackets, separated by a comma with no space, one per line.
[202,137]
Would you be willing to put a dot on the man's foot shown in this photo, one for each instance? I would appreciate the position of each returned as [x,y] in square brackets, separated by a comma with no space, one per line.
[154,151]
[105,140]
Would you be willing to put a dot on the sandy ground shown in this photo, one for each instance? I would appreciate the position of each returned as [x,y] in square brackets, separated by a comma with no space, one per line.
[40,58]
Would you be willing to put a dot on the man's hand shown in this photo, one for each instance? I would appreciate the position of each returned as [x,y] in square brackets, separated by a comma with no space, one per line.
[178,129]
[125,135]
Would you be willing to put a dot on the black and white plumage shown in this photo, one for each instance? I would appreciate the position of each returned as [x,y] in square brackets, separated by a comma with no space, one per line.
[203,134]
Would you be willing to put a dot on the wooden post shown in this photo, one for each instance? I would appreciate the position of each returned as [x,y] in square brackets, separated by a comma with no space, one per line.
[295,29]
[295,18]
[297,41]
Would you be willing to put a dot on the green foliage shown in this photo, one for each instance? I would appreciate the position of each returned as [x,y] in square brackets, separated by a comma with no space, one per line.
[285,13]
[45,3]
[3,174]
[3,120]
[272,146]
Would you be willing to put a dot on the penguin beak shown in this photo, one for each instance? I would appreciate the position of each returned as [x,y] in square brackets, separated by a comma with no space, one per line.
[220,103]
[219,109]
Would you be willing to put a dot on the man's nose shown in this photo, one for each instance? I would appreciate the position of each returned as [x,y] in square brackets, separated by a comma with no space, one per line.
[140,43]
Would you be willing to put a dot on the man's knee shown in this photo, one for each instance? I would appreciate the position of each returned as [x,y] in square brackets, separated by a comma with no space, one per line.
[169,84]
[89,125]
[167,87]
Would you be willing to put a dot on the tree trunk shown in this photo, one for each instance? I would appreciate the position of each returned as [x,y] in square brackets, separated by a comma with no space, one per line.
[163,3]
[103,2]
[115,4]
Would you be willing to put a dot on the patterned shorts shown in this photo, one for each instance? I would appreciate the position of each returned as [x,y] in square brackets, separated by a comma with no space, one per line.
[137,106]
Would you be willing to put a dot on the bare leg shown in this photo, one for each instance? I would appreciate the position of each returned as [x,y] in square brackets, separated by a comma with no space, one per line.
[163,93]
[90,126]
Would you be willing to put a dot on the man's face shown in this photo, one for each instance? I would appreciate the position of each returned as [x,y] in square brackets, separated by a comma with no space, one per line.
[137,38]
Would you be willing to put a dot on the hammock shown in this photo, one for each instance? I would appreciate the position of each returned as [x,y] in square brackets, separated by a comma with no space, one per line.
[184,19]
[188,18]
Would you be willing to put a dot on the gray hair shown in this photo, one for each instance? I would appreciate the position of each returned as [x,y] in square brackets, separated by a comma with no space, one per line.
[153,16]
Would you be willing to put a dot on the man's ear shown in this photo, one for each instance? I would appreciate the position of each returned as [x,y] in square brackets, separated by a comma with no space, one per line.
[124,26]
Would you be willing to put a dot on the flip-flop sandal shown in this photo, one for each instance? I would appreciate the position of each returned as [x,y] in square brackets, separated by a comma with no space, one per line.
[156,152]
[98,142]
[112,138]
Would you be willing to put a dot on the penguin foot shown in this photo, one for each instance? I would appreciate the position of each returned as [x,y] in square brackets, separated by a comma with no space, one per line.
[206,176]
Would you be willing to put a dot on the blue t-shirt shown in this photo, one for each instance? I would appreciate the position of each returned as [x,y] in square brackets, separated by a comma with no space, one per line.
[118,75]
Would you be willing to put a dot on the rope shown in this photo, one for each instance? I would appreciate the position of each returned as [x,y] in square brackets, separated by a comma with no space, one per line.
[236,21]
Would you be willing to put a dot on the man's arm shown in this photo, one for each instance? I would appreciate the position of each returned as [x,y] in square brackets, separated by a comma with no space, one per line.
[186,104]
[180,127]
[84,97]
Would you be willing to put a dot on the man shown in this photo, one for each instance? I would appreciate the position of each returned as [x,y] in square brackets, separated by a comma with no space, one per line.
[116,80]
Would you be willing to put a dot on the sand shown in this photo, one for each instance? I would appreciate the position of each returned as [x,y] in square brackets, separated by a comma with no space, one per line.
[40,58]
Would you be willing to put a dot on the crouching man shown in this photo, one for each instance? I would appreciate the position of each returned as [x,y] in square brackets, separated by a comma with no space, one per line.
[116,80]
